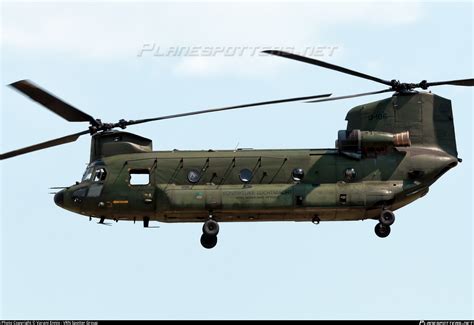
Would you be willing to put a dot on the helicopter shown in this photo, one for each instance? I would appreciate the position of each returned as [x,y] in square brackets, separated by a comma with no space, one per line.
[390,153]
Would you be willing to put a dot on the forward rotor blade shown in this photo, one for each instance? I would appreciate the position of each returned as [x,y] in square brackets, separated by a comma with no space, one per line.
[52,102]
[327,66]
[43,145]
[225,109]
[350,96]
[460,82]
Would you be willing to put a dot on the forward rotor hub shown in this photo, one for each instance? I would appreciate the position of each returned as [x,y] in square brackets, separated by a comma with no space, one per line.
[103,127]
[404,86]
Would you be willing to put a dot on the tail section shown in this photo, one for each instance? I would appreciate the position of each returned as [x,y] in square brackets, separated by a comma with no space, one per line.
[427,117]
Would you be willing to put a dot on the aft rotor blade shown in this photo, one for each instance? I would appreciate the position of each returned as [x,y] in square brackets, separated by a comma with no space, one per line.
[327,66]
[52,102]
[460,82]
[226,109]
[350,96]
[43,145]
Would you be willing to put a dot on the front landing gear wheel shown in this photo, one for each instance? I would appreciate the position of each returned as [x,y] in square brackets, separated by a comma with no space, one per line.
[208,241]
[382,231]
[210,228]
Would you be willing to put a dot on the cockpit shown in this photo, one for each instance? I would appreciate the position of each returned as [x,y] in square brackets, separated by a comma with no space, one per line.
[94,173]
[90,187]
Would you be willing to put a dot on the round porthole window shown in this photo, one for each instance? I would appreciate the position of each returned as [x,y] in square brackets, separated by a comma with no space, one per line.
[297,174]
[349,174]
[194,176]
[245,175]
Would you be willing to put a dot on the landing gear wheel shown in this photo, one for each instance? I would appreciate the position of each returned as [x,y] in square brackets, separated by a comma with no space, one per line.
[382,231]
[208,241]
[210,228]
[387,218]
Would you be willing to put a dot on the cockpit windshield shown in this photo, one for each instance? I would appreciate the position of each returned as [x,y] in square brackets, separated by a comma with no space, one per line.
[87,174]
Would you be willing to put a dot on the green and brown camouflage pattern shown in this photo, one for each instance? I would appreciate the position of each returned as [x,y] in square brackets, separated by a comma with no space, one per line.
[387,177]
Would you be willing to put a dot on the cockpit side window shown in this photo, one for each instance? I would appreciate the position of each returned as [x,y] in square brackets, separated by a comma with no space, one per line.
[87,174]
[100,174]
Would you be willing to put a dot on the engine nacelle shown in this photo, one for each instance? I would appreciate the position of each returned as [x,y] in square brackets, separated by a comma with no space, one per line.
[370,141]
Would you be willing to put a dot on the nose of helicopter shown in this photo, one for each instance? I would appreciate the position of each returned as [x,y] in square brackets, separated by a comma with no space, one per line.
[59,198]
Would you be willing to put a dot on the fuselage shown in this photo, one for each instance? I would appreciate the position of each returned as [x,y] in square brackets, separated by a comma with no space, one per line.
[265,185]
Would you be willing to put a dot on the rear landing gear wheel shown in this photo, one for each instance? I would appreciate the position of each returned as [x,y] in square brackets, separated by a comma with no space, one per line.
[210,227]
[381,230]
[208,241]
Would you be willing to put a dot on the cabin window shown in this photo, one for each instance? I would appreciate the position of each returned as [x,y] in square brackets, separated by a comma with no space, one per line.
[100,175]
[139,177]
[297,174]
[245,175]
[194,176]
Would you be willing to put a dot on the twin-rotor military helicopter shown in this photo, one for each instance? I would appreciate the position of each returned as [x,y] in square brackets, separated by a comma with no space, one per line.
[389,155]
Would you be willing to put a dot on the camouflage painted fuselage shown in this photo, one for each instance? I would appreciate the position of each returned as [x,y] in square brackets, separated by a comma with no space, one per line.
[382,175]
